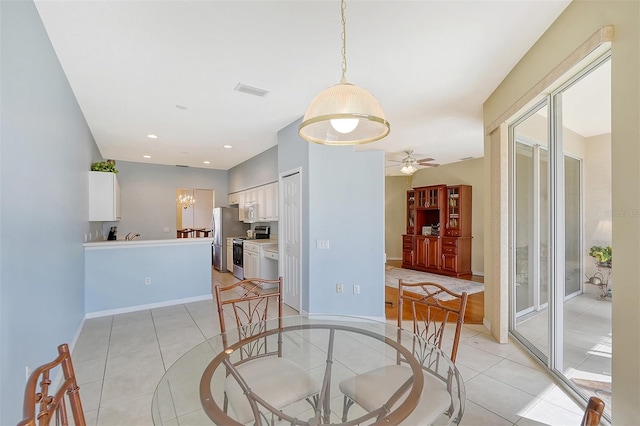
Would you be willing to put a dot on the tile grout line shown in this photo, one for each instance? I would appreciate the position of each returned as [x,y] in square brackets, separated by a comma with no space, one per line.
[104,371]
[155,331]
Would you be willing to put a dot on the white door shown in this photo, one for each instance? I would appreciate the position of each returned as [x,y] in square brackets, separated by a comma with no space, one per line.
[290,231]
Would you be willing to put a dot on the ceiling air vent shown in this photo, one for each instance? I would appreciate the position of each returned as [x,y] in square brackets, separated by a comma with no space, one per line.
[256,91]
[181,165]
[466,158]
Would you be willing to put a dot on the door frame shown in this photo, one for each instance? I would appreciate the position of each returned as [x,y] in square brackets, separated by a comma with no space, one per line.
[281,225]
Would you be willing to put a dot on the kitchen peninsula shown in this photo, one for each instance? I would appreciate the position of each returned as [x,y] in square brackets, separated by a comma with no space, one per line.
[125,276]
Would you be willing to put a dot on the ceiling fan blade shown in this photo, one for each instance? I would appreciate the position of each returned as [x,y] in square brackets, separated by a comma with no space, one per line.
[429,164]
[425,160]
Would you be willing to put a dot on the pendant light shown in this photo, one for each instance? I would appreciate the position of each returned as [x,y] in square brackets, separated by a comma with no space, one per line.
[344,114]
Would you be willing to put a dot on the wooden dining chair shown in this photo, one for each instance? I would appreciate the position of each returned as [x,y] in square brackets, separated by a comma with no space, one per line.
[431,309]
[41,405]
[262,366]
[593,412]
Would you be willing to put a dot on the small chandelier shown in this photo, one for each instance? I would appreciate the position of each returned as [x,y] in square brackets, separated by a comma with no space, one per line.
[186,201]
[408,167]
[344,114]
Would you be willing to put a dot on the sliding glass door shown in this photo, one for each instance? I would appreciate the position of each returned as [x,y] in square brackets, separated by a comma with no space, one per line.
[560,180]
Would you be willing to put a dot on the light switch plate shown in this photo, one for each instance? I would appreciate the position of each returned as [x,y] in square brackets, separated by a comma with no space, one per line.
[322,244]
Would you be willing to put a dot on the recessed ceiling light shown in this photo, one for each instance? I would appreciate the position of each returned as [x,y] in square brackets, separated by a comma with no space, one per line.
[146,156]
[228,146]
[251,90]
[152,136]
[207,162]
[181,107]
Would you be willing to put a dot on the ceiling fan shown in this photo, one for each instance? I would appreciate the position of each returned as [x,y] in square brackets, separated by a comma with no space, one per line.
[410,163]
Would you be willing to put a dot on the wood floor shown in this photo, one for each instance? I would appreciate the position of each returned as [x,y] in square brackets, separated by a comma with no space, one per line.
[473,314]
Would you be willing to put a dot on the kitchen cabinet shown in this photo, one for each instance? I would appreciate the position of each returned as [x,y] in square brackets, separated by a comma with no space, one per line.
[257,263]
[230,254]
[241,203]
[438,232]
[268,203]
[104,197]
[264,197]
[251,263]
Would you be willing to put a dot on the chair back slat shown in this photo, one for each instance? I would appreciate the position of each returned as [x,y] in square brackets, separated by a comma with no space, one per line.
[432,307]
[250,307]
[40,407]
[593,412]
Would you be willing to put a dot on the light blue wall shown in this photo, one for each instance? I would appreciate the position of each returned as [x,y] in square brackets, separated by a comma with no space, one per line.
[343,202]
[46,150]
[115,277]
[256,171]
[148,196]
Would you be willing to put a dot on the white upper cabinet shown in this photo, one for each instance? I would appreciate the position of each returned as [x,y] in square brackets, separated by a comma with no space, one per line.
[104,197]
[264,199]
[269,207]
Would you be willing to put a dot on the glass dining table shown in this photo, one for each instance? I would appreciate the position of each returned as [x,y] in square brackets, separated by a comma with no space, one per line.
[331,349]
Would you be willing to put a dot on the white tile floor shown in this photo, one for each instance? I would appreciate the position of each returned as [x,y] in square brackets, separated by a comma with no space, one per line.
[119,360]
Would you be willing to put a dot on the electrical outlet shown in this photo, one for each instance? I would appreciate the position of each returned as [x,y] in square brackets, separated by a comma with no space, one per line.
[147,281]
[338,288]
[356,289]
[166,229]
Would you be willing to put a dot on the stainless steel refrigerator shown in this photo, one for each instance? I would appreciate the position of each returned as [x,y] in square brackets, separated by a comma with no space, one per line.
[224,224]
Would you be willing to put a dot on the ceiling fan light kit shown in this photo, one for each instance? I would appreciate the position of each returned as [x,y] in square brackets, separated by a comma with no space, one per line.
[344,114]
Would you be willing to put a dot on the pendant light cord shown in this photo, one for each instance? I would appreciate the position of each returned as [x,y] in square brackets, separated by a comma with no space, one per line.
[344,42]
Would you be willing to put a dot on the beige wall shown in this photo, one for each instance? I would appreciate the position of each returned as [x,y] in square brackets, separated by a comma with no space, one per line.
[395,195]
[577,24]
[468,172]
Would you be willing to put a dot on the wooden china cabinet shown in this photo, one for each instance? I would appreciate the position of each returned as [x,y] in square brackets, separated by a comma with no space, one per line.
[438,234]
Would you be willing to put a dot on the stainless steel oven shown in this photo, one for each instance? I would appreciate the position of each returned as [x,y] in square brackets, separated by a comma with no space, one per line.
[238,270]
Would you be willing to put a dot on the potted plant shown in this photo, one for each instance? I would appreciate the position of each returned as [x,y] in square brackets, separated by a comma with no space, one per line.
[104,166]
[602,255]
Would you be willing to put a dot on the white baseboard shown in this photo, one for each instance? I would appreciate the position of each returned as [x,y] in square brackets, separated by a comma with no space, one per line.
[136,308]
[480,274]
[486,323]
[72,345]
[394,258]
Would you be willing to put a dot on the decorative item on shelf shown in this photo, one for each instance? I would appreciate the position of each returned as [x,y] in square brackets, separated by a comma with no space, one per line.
[344,114]
[186,201]
[104,166]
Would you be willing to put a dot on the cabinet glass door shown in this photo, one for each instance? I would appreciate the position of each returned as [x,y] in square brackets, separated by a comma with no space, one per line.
[453,217]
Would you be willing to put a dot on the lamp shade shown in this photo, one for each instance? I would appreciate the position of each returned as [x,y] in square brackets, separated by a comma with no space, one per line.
[332,115]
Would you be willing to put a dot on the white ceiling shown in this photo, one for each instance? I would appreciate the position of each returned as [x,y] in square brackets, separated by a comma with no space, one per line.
[431,64]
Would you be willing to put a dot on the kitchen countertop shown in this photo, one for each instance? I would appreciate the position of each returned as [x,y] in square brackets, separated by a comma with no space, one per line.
[109,244]
[261,242]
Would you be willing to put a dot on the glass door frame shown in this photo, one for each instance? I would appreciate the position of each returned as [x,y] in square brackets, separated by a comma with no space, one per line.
[553,100]
[536,148]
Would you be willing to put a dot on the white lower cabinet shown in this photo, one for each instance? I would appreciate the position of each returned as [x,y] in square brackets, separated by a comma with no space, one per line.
[251,264]
[230,254]
[256,265]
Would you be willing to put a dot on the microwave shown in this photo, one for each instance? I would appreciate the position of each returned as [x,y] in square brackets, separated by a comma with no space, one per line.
[250,213]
